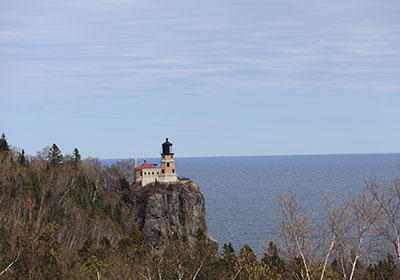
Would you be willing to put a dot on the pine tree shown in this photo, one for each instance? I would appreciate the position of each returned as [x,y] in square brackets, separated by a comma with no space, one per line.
[21,157]
[3,143]
[55,157]
[77,155]
[124,184]
[228,254]
[272,260]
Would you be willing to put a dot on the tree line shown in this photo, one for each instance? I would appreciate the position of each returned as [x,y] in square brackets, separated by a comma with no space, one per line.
[64,217]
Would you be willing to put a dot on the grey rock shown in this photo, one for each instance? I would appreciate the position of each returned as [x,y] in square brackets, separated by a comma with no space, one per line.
[162,210]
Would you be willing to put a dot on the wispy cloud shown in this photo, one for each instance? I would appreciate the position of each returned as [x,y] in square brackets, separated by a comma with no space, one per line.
[117,55]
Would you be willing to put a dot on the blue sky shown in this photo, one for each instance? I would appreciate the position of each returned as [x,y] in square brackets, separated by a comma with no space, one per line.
[115,77]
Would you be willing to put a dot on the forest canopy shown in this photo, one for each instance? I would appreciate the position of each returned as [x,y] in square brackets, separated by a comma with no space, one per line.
[63,217]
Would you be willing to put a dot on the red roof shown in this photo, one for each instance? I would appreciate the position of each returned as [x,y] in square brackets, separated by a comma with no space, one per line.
[144,165]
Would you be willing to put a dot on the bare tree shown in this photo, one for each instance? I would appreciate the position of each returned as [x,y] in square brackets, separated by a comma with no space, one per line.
[355,239]
[331,228]
[296,231]
[387,197]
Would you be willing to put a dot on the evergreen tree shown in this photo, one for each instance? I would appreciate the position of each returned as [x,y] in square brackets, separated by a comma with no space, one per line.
[272,260]
[55,157]
[21,157]
[229,257]
[3,143]
[124,184]
[229,260]
[251,268]
[125,187]
[384,270]
[77,155]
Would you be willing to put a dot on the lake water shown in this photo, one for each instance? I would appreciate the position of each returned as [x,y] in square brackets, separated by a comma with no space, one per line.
[241,192]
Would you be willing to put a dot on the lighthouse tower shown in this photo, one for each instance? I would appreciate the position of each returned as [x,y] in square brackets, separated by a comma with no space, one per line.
[168,173]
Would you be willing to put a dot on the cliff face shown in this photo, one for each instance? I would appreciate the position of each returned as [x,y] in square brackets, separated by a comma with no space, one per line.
[162,210]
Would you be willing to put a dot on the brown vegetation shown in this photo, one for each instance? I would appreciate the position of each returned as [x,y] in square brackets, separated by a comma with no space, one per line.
[67,220]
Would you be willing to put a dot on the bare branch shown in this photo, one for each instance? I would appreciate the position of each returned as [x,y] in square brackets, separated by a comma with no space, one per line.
[198,270]
[237,273]
[10,265]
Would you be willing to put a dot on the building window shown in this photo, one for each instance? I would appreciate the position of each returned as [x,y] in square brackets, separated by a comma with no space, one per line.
[152,173]
[172,156]
[167,164]
[173,170]
[162,171]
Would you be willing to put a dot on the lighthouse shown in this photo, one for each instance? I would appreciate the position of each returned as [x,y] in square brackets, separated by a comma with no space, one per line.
[168,173]
[149,173]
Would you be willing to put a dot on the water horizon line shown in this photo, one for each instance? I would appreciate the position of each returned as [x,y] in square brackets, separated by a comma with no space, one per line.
[277,155]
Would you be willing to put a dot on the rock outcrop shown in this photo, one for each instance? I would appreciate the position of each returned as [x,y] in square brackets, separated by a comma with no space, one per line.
[162,210]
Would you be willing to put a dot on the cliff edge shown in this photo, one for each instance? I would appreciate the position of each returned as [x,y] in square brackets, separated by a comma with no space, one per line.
[162,210]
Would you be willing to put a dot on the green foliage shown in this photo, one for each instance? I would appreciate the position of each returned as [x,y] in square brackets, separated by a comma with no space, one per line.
[124,184]
[38,252]
[384,270]
[126,197]
[3,143]
[21,157]
[51,254]
[135,245]
[118,218]
[81,192]
[36,188]
[170,188]
[229,258]
[88,249]
[136,236]
[5,243]
[86,196]
[94,258]
[55,157]
[76,158]
[105,242]
[273,261]
[76,155]
[93,266]
[126,192]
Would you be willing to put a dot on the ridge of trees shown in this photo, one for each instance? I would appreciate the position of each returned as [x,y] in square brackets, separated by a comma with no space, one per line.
[62,217]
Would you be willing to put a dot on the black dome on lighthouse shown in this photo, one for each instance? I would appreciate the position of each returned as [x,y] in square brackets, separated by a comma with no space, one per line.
[167,147]
[167,142]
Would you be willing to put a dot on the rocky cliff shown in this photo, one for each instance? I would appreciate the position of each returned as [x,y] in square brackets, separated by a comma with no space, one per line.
[160,210]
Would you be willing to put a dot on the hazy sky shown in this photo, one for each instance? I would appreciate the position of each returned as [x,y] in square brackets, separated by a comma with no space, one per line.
[114,78]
